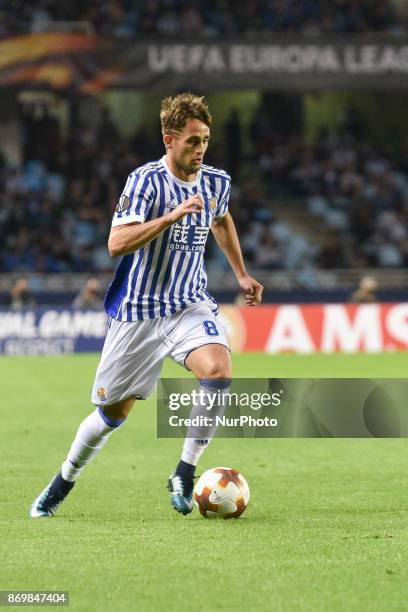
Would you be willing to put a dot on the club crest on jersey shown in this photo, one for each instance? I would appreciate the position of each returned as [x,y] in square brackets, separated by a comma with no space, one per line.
[213,204]
[101,393]
[123,204]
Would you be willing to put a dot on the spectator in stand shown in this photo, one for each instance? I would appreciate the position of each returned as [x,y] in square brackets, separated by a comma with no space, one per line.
[90,297]
[365,293]
[20,296]
[267,254]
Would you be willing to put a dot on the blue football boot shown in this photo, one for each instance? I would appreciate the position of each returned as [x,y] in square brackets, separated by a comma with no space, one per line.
[182,493]
[48,501]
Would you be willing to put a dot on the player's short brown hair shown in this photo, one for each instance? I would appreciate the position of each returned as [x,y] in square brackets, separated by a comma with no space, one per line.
[175,111]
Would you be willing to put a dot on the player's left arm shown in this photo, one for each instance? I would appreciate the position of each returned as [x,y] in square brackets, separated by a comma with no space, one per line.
[226,236]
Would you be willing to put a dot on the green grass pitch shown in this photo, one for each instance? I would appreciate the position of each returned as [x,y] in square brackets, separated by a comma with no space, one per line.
[326,528]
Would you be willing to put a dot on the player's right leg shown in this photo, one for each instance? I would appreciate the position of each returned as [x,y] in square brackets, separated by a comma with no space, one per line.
[91,437]
[129,367]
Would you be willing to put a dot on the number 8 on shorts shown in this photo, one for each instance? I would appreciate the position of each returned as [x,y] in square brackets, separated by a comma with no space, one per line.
[210,328]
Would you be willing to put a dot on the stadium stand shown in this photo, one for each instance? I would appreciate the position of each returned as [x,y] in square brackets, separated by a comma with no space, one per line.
[56,207]
[128,18]
[56,202]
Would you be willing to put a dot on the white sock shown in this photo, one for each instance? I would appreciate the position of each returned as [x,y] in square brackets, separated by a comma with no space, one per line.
[193,449]
[92,435]
[198,438]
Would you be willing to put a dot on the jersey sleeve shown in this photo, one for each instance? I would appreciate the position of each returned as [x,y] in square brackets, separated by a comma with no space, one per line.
[223,199]
[136,200]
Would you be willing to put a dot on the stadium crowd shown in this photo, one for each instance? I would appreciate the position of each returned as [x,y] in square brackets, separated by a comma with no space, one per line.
[354,192]
[128,18]
[55,209]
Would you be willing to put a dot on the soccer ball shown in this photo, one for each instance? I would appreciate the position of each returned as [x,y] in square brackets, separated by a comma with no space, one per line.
[221,492]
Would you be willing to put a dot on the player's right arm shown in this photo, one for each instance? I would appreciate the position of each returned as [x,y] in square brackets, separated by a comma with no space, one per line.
[129,237]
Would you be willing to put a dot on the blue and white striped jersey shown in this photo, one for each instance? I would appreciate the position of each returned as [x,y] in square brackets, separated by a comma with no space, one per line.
[167,274]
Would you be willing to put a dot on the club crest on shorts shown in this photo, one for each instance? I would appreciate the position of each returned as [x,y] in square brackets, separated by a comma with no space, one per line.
[123,204]
[101,393]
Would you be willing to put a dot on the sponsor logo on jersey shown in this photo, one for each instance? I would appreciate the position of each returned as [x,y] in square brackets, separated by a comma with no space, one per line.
[187,237]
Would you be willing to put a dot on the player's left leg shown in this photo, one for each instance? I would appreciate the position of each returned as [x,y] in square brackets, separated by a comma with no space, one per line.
[211,364]
[200,345]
